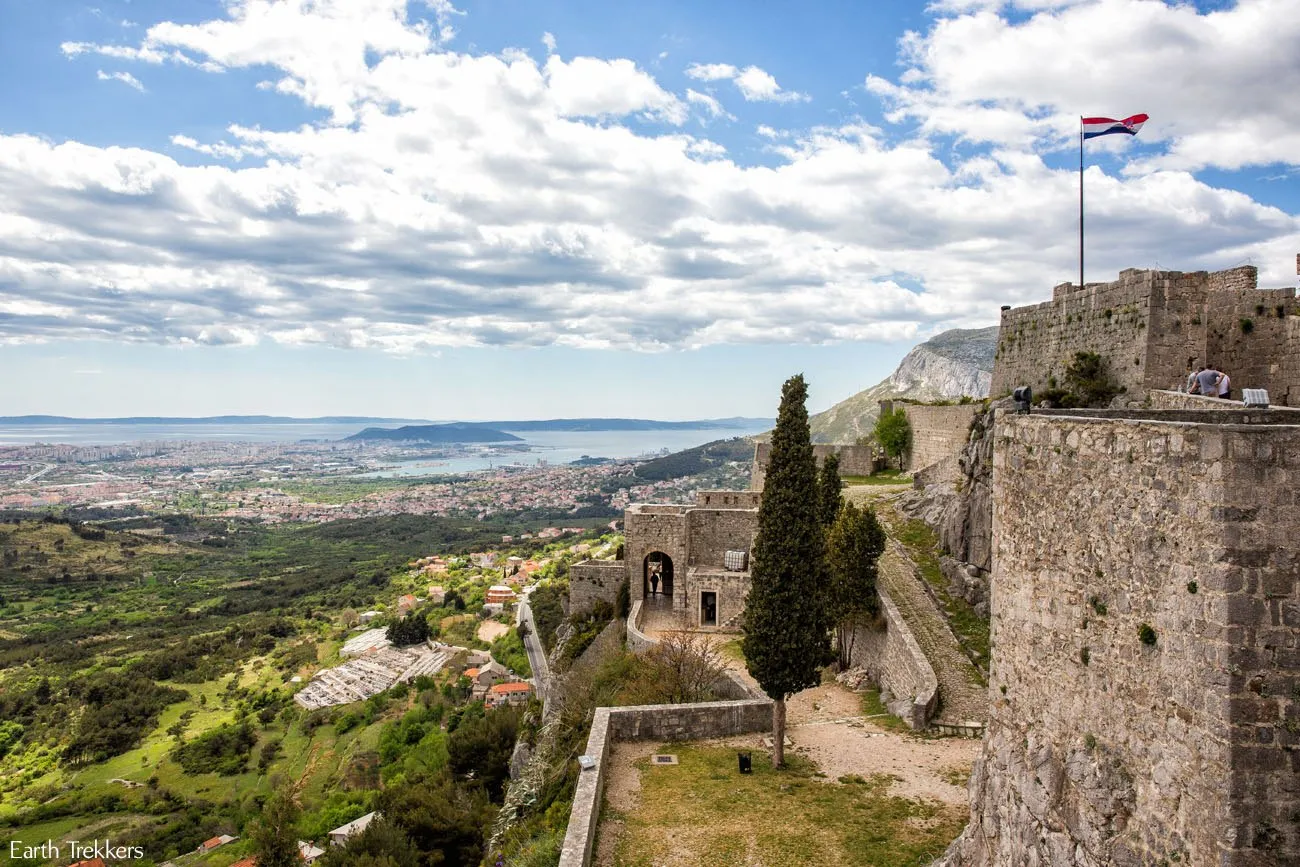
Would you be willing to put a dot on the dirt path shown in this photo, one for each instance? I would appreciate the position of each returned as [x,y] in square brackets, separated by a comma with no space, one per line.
[961,695]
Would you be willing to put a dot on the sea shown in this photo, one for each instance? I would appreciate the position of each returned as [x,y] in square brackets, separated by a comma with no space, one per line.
[550,447]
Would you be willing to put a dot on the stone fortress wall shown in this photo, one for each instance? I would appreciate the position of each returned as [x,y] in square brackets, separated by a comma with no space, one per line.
[1150,325]
[1105,749]
[593,580]
[854,460]
[938,432]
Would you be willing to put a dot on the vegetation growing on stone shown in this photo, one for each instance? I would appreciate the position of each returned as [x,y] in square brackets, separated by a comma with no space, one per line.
[1088,383]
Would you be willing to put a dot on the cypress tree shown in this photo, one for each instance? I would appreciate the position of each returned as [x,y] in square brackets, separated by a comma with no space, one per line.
[828,490]
[787,613]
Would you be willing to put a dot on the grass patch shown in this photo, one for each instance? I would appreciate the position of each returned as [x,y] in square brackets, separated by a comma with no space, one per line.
[733,650]
[922,544]
[880,716]
[702,811]
[884,477]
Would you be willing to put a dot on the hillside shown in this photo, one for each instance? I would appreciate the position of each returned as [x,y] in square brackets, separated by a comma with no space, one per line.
[957,363]
[456,432]
[697,460]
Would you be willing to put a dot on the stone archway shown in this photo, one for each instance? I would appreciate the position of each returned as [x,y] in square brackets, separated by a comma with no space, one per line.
[660,565]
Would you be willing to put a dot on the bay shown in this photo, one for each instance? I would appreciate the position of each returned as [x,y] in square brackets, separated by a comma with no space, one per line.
[562,447]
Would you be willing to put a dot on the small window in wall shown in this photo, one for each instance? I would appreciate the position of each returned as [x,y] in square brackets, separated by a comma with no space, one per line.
[708,609]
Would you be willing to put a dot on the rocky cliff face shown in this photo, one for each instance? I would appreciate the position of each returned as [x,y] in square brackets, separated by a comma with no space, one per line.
[948,366]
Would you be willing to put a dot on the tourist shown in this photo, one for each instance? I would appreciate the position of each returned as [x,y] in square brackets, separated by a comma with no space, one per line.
[1225,387]
[1208,381]
[654,579]
[1191,386]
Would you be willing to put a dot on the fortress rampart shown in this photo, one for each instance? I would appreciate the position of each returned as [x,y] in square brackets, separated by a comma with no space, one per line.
[1145,681]
[1150,325]
[938,432]
[854,460]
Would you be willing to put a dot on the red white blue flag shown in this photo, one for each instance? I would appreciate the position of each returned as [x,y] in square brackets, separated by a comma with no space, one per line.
[1095,126]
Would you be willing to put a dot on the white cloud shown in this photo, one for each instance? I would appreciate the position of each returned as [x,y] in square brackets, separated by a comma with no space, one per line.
[125,77]
[477,199]
[759,86]
[711,71]
[709,104]
[220,150]
[548,39]
[754,84]
[1217,84]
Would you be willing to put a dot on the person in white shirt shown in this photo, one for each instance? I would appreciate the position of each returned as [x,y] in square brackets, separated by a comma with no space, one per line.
[1225,386]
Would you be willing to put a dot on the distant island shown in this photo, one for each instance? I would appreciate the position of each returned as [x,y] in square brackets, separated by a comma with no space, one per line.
[455,432]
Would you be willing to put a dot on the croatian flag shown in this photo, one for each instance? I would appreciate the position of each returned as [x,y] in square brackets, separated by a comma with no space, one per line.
[1095,126]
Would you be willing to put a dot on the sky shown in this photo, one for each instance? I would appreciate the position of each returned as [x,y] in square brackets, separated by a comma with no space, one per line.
[533,208]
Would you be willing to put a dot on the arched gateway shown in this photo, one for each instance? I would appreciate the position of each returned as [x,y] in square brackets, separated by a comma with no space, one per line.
[657,576]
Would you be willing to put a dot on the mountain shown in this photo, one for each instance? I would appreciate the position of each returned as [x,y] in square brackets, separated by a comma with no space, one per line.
[455,432]
[957,363]
[555,424]
[626,424]
[16,420]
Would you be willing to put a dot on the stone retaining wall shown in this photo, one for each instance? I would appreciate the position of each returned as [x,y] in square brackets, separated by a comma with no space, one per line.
[653,722]
[1182,400]
[591,580]
[637,641]
[896,663]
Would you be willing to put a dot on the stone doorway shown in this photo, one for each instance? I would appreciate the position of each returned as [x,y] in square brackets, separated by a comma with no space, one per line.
[657,576]
[708,608]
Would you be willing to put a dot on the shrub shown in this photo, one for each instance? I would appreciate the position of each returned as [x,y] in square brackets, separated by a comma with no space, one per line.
[224,750]
[1146,634]
[1247,325]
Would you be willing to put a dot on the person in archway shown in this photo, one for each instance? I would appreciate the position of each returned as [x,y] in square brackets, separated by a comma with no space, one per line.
[654,578]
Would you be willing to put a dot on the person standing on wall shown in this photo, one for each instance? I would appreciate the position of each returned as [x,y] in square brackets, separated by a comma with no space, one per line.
[1208,380]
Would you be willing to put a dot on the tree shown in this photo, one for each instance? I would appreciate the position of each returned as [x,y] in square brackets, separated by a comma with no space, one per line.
[681,668]
[894,433]
[275,835]
[411,629]
[380,844]
[787,613]
[853,548]
[828,490]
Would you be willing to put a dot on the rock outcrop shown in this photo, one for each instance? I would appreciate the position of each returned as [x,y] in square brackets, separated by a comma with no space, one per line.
[958,504]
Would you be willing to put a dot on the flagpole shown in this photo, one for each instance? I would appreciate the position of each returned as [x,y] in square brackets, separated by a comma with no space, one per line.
[1081,202]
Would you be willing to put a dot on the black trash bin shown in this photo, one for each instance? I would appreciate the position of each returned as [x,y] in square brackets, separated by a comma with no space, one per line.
[745,766]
